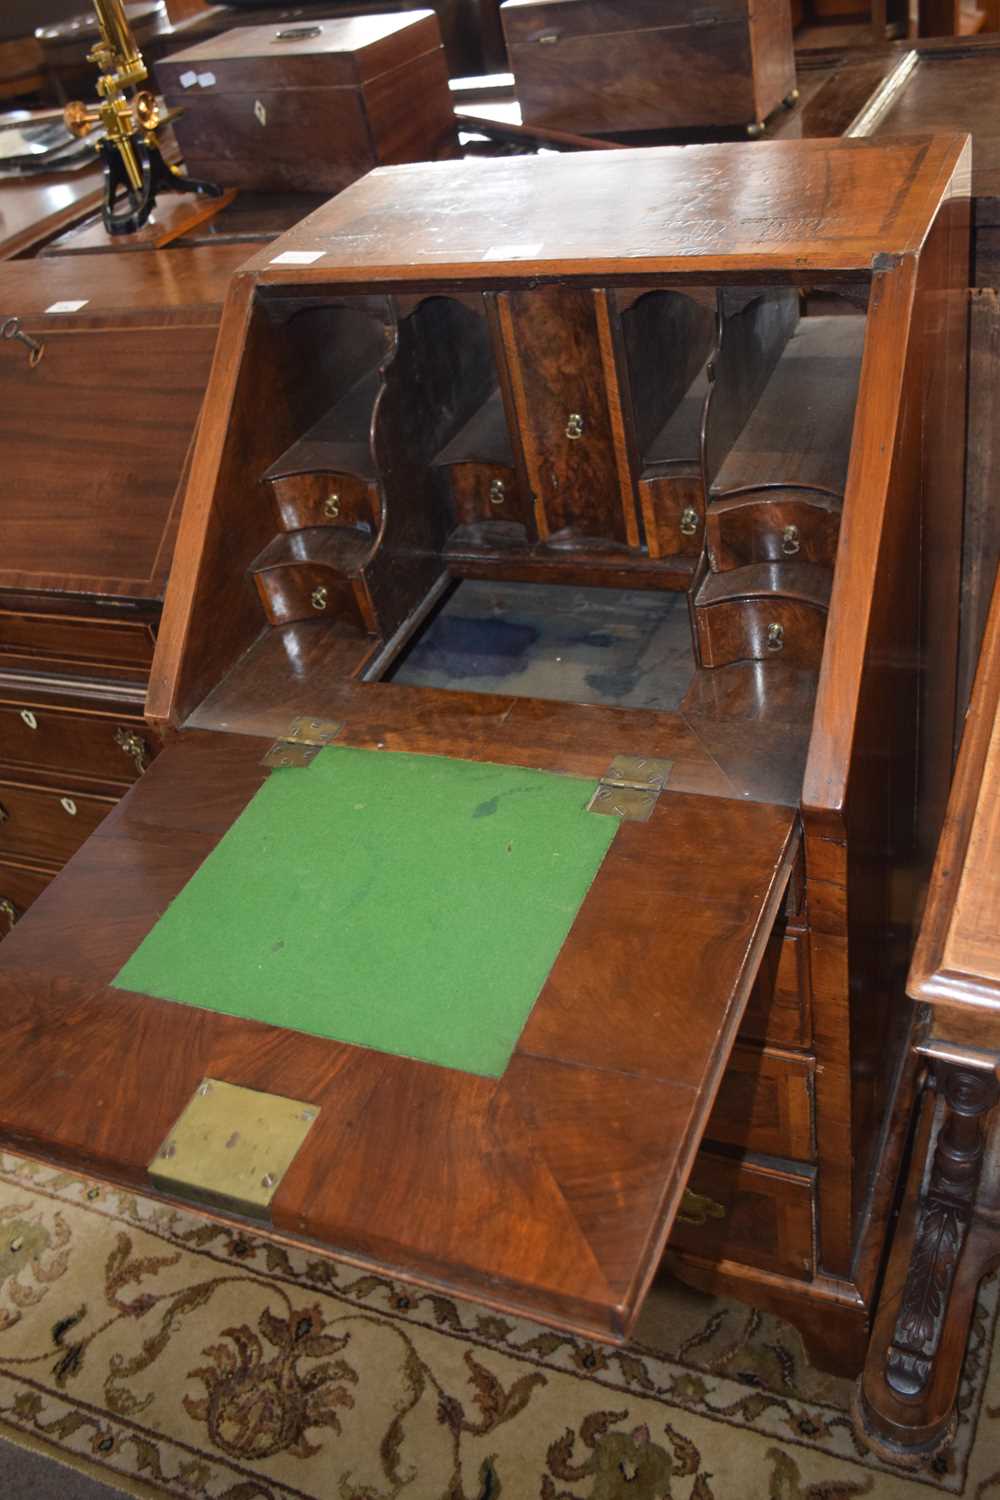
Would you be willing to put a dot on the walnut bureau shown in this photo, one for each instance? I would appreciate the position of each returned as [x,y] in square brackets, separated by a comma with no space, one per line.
[595,400]
[86,535]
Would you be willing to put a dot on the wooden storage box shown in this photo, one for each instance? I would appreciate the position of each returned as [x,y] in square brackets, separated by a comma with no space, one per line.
[597,65]
[312,106]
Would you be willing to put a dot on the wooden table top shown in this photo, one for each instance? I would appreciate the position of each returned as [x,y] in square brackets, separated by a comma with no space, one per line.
[550,1190]
[829,206]
[33,209]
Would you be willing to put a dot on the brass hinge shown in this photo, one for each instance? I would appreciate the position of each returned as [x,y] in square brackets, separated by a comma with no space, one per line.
[630,786]
[302,742]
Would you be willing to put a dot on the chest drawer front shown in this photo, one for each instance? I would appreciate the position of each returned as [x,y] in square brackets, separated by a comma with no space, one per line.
[554,355]
[483,492]
[74,639]
[37,823]
[761,630]
[20,885]
[779,1011]
[56,739]
[742,1211]
[765,1104]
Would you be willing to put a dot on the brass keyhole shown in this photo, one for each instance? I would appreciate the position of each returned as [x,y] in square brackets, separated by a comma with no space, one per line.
[790,541]
[319,597]
[574,425]
[497,492]
[28,718]
[68,806]
[775,636]
[689,521]
[331,506]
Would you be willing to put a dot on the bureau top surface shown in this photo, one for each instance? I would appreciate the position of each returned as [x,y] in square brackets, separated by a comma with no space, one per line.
[791,205]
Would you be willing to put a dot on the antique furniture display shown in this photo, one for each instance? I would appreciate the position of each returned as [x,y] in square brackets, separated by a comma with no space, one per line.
[311,107]
[102,368]
[408,401]
[948,1235]
[597,66]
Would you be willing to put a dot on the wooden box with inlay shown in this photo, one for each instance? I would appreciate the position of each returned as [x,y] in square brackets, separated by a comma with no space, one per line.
[525,509]
[594,66]
[311,105]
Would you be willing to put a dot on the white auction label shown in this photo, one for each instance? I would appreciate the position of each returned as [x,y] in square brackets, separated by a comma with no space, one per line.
[67,307]
[207,80]
[297,257]
[186,80]
[512,252]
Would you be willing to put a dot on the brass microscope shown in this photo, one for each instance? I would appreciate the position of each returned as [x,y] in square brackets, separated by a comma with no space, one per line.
[134,167]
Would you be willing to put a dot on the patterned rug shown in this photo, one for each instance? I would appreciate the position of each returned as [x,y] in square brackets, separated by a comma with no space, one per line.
[170,1356]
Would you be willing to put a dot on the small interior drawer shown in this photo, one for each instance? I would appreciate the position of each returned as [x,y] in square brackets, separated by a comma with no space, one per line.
[325,498]
[775,629]
[765,1104]
[737,1209]
[61,739]
[20,885]
[39,823]
[779,1011]
[486,492]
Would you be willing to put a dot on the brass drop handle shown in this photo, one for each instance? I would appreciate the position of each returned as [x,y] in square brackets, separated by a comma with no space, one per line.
[790,541]
[331,506]
[497,492]
[11,329]
[775,637]
[319,596]
[8,910]
[134,745]
[696,1208]
[574,425]
[689,521]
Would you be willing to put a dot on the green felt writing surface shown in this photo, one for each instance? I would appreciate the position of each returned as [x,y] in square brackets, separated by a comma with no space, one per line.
[410,903]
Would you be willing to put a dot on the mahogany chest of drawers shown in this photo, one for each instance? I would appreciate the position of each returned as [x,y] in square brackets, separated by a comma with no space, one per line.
[601,65]
[311,106]
[95,435]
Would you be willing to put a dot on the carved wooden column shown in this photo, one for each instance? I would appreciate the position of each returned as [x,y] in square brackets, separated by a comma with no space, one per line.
[906,1398]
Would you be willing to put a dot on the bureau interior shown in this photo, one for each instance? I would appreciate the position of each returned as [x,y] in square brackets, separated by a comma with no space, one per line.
[651,474]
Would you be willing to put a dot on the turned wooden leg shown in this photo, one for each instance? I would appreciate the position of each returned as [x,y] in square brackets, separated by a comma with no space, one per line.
[906,1399]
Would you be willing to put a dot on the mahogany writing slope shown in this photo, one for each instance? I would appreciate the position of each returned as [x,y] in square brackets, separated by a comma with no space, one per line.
[564,506]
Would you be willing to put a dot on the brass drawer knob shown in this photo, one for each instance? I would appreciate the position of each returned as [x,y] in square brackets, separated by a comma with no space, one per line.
[331,506]
[790,541]
[696,1208]
[8,911]
[574,425]
[775,637]
[319,596]
[689,521]
[497,492]
[27,717]
[133,745]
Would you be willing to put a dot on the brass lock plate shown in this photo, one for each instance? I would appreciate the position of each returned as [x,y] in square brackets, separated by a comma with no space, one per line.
[232,1146]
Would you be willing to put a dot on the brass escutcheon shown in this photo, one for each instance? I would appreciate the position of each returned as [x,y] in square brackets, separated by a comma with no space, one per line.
[27,717]
[320,595]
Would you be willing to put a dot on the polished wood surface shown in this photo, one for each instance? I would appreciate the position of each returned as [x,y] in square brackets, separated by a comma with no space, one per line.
[34,209]
[453,220]
[367,379]
[566,1211]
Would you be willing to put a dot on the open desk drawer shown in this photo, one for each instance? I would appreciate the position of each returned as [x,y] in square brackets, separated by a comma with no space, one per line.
[549,1189]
